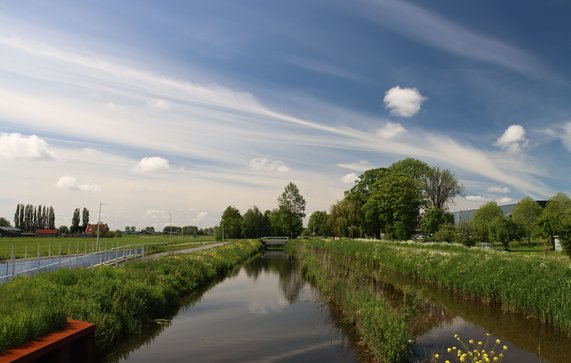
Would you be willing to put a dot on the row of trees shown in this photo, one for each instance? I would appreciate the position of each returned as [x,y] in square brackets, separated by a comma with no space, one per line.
[30,218]
[388,201]
[528,221]
[285,220]
[186,230]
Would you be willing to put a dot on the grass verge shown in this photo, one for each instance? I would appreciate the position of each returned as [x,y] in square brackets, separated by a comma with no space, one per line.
[119,301]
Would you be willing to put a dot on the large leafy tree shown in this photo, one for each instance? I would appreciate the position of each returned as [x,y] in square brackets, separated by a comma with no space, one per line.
[555,220]
[232,222]
[440,187]
[344,218]
[368,215]
[292,204]
[318,224]
[483,219]
[525,215]
[254,225]
[412,167]
[504,230]
[4,222]
[432,219]
[397,197]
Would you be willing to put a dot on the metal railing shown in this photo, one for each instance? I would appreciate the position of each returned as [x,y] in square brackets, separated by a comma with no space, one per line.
[30,266]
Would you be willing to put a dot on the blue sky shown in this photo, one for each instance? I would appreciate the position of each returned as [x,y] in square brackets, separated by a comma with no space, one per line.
[187,107]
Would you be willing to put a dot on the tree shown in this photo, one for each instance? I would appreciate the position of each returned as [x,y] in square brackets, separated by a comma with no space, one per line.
[482,222]
[432,219]
[75,221]
[555,218]
[292,204]
[51,218]
[445,233]
[464,234]
[525,214]
[412,167]
[440,187]
[63,230]
[148,229]
[317,225]
[504,230]
[231,222]
[368,214]
[398,198]
[4,222]
[344,218]
[253,223]
[85,219]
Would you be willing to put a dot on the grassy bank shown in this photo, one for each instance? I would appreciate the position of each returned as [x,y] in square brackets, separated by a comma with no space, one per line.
[119,301]
[380,324]
[533,285]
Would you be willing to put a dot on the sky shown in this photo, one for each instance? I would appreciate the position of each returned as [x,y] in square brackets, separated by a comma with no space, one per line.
[168,112]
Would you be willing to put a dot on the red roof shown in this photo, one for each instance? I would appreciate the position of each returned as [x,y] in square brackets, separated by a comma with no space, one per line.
[47,231]
[93,228]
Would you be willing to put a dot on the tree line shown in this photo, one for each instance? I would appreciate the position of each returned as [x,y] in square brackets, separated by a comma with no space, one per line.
[30,218]
[395,202]
[285,220]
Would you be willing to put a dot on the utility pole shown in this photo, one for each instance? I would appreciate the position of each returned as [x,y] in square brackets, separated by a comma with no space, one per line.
[98,225]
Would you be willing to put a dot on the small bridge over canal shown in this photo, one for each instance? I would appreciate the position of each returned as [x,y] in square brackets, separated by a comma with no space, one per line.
[274,242]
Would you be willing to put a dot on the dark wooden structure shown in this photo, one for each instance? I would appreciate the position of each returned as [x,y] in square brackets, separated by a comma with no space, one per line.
[74,343]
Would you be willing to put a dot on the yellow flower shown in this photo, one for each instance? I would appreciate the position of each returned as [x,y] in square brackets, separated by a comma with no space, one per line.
[449,350]
[471,341]
[498,341]
[505,347]
[436,355]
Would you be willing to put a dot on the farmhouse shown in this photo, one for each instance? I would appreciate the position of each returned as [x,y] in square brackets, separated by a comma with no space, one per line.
[10,232]
[92,228]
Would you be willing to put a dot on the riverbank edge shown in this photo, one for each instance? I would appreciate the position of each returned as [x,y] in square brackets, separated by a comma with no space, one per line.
[534,286]
[380,327]
[119,301]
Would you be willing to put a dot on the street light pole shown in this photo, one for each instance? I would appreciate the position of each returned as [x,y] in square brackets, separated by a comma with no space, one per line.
[98,225]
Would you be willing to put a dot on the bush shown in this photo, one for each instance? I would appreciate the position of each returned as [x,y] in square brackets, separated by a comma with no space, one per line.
[446,233]
[465,234]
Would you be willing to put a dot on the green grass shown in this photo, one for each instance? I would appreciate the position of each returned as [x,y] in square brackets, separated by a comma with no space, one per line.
[119,301]
[534,285]
[28,246]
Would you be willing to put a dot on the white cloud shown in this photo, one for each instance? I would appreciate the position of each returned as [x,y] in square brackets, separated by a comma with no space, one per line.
[200,216]
[17,146]
[159,104]
[349,178]
[504,200]
[151,212]
[475,198]
[498,189]
[362,166]
[153,163]
[68,182]
[513,139]
[561,132]
[390,130]
[265,164]
[403,102]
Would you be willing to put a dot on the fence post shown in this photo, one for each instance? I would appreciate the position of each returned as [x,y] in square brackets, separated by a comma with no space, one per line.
[39,262]
[13,260]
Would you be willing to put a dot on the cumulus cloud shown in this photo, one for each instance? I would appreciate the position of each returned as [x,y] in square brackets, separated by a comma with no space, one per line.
[504,200]
[475,198]
[498,190]
[68,182]
[200,216]
[404,102]
[349,178]
[17,146]
[152,163]
[361,165]
[513,139]
[265,164]
[159,104]
[390,130]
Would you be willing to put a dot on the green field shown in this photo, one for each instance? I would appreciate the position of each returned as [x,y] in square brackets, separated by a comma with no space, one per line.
[27,247]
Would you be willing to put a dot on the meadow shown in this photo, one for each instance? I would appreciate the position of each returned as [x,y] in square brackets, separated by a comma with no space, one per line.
[119,301]
[27,247]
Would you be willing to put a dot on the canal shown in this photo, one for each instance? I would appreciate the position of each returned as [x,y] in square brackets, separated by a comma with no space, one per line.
[266,312]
